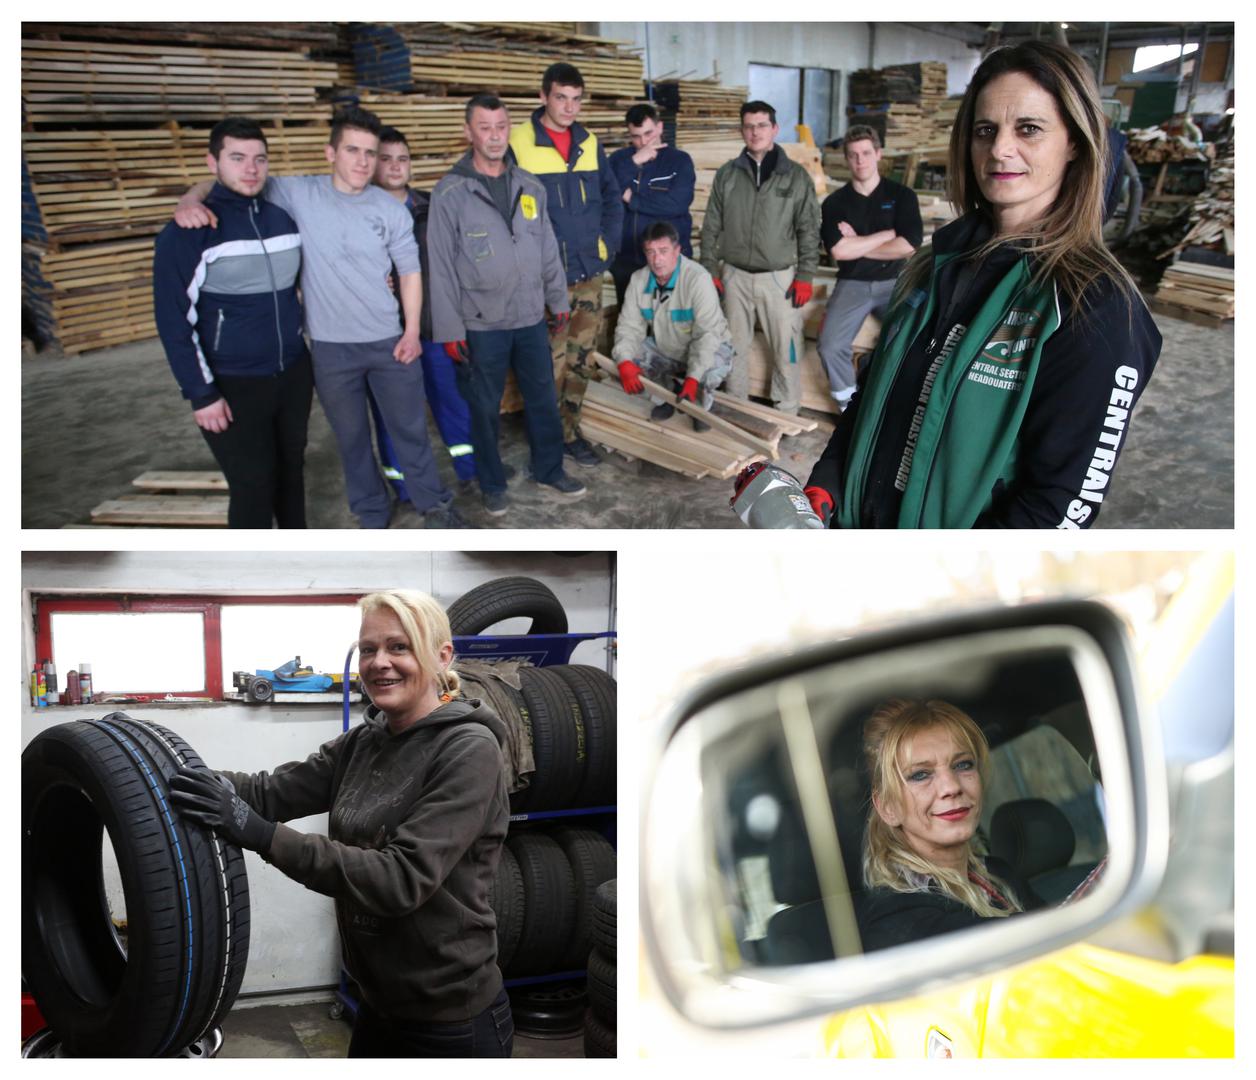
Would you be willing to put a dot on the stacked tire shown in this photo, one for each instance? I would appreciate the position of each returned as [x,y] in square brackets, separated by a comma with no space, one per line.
[543,896]
[599,1021]
[186,892]
[567,710]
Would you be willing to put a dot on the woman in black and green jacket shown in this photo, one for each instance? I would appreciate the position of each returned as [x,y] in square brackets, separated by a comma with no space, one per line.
[1008,368]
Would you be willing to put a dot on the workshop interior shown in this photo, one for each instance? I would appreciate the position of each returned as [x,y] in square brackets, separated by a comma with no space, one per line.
[146,933]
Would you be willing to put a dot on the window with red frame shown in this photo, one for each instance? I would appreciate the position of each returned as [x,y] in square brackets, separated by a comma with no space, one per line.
[151,648]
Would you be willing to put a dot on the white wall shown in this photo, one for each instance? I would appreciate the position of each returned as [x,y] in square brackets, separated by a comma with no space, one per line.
[696,50]
[293,941]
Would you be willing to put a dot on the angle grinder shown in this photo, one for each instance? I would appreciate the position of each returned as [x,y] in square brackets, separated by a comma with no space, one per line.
[766,496]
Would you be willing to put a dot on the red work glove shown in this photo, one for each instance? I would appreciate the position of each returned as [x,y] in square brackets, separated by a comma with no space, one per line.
[821,501]
[559,321]
[630,377]
[799,293]
[458,351]
[719,287]
[689,392]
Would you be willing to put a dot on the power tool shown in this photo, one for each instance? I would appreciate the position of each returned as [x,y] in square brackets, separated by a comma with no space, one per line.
[765,496]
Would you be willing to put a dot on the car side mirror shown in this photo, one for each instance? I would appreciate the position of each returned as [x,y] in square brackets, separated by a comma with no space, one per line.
[754,906]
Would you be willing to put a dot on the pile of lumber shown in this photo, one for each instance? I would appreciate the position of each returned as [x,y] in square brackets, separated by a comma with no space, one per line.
[322,39]
[740,432]
[905,104]
[504,58]
[190,499]
[1198,288]
[1212,213]
[701,109]
[1152,145]
[112,81]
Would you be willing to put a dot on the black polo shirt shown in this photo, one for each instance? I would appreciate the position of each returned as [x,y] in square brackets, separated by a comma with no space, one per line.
[890,206]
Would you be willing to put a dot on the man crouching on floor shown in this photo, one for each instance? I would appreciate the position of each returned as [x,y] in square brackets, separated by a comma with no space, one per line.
[671,328]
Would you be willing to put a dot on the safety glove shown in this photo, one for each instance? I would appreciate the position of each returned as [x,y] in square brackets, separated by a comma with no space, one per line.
[719,286]
[558,321]
[459,352]
[799,293]
[689,392]
[211,800]
[821,502]
[630,377]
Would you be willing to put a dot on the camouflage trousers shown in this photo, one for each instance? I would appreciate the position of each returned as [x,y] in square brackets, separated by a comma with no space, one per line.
[573,367]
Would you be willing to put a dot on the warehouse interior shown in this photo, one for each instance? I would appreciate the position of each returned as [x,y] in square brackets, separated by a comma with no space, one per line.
[164,623]
[110,142]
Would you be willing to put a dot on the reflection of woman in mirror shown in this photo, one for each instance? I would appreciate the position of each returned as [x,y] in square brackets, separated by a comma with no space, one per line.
[928,764]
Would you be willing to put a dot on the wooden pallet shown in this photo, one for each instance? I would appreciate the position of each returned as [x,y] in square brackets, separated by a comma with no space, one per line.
[196,511]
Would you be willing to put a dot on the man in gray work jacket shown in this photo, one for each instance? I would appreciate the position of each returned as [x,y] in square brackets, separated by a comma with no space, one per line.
[495,265]
[763,224]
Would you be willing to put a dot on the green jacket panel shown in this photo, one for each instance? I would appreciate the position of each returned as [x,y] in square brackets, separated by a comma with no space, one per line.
[772,227]
[689,325]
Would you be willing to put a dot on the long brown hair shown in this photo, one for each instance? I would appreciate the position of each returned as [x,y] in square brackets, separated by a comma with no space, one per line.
[1067,242]
[889,862]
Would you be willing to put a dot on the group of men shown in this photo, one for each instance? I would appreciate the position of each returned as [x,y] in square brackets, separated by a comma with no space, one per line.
[499,269]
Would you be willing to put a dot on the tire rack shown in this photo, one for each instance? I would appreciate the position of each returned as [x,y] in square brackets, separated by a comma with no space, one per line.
[543,650]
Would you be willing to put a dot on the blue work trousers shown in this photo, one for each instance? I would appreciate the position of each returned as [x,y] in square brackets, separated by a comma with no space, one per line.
[481,380]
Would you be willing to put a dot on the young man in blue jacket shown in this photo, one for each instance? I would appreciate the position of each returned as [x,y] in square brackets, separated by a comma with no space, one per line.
[227,311]
[586,210]
[657,185]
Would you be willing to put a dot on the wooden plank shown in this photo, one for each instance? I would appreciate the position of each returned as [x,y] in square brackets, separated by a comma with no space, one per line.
[157,480]
[209,511]
[608,365]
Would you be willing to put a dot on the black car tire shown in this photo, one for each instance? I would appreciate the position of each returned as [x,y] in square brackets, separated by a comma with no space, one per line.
[599,1038]
[548,906]
[507,598]
[558,746]
[506,898]
[592,862]
[605,923]
[602,986]
[186,892]
[596,692]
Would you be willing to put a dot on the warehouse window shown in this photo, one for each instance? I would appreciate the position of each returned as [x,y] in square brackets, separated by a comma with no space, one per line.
[156,648]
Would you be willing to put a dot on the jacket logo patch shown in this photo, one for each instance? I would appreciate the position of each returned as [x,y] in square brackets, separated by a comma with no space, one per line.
[1012,338]
[528,205]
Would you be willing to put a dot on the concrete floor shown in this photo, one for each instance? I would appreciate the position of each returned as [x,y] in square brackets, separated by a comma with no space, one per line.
[91,423]
[307,1031]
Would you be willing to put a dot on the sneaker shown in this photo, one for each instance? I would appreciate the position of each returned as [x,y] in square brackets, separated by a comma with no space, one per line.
[581,453]
[443,516]
[662,412]
[495,503]
[566,485]
[699,425]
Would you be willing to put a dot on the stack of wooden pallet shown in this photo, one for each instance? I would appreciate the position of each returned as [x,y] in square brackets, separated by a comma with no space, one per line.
[319,39]
[190,499]
[1192,287]
[739,432]
[1212,213]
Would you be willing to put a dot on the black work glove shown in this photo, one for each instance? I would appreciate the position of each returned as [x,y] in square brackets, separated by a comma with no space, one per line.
[211,800]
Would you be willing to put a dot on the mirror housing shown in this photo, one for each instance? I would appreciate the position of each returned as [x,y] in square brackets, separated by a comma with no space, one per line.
[691,936]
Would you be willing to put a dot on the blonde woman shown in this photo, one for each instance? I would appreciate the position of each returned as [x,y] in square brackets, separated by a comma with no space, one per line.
[1016,346]
[417,804]
[928,764]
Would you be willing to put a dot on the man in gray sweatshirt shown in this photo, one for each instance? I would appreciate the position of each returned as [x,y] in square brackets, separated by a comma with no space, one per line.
[495,265]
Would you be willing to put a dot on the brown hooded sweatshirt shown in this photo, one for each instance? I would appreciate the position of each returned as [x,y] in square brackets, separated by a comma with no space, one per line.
[417,822]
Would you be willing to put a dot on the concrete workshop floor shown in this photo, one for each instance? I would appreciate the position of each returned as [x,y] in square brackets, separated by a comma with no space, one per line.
[92,423]
[306,1031]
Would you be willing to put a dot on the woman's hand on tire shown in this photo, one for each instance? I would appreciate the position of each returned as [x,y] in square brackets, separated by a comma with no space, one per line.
[210,800]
